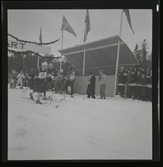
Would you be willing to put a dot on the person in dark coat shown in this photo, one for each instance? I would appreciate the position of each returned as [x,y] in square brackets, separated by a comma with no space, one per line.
[124,80]
[137,87]
[143,90]
[127,88]
[138,67]
[149,93]
[120,81]
[91,86]
[133,81]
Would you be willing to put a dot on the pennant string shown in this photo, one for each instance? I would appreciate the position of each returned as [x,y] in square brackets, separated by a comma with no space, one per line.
[48,43]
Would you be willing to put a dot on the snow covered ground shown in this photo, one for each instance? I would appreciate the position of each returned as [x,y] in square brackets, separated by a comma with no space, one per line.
[114,128]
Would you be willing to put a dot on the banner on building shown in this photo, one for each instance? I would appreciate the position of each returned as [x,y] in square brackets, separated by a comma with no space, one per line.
[16,45]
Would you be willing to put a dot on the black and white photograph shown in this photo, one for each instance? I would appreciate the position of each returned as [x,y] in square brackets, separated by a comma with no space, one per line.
[79,84]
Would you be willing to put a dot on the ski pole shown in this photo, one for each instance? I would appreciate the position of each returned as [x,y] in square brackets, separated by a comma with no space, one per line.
[27,87]
[53,90]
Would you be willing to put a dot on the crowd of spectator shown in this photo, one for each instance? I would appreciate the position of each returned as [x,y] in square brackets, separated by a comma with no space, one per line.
[135,83]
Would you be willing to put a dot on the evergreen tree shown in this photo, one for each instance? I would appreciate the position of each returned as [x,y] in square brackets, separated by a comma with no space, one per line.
[137,53]
[144,52]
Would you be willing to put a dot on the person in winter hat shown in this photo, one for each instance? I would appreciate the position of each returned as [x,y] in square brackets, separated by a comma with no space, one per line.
[39,82]
[103,82]
[20,79]
[91,86]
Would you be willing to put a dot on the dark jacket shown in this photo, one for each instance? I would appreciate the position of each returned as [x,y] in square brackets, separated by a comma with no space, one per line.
[149,78]
[128,78]
[143,90]
[133,78]
[120,77]
[91,86]
[144,81]
[138,77]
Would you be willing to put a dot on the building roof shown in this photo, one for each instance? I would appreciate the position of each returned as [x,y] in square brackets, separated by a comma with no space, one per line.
[100,54]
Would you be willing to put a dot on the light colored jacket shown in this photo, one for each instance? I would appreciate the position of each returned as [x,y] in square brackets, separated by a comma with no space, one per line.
[103,79]
[20,76]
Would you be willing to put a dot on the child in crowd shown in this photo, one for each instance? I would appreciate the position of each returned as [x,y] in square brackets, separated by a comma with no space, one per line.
[13,79]
[20,79]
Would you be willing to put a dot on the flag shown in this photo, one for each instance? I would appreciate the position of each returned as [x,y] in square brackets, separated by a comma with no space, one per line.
[40,37]
[87,26]
[66,26]
[128,18]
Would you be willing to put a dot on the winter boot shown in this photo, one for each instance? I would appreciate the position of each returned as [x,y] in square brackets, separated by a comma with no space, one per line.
[38,102]
[44,98]
[31,96]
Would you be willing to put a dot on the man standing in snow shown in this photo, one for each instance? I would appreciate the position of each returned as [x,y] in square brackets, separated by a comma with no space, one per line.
[103,82]
[91,86]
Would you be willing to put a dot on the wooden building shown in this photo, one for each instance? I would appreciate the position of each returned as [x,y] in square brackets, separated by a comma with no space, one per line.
[96,55]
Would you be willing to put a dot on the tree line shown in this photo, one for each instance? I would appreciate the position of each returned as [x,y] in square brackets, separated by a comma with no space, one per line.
[142,55]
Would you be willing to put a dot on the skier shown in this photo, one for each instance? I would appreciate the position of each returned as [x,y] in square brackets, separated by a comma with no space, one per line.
[70,82]
[48,79]
[39,82]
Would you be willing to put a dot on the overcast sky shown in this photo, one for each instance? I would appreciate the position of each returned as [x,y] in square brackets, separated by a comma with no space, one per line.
[25,25]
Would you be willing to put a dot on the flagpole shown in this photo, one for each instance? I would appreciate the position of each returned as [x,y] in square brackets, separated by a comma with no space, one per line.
[84,63]
[82,34]
[38,61]
[61,49]
[118,49]
[84,53]
[40,38]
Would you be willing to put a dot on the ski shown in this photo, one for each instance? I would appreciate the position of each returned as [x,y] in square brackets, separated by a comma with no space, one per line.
[32,100]
[42,103]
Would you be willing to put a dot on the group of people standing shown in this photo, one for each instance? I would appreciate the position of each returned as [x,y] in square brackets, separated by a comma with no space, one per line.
[137,83]
[16,79]
[92,82]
